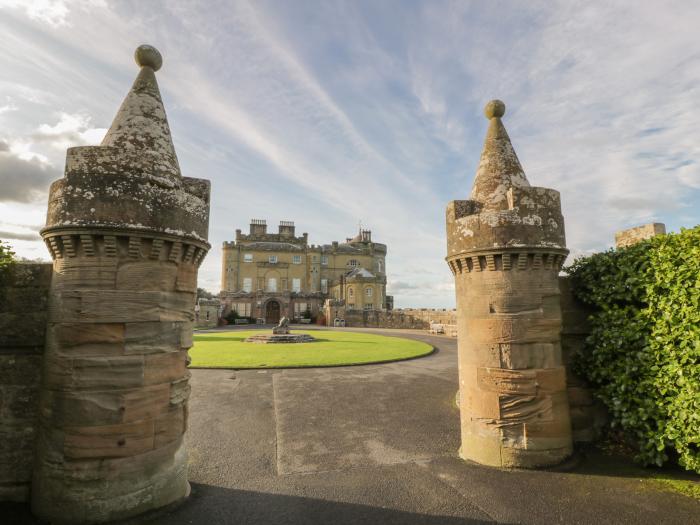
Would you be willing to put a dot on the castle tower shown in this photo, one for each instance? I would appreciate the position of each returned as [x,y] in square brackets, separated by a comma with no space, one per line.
[505,247]
[127,234]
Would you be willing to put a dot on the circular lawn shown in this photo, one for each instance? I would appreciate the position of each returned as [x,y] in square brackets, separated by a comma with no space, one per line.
[229,350]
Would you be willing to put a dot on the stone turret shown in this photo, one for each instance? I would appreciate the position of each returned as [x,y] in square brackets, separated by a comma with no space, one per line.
[127,234]
[505,247]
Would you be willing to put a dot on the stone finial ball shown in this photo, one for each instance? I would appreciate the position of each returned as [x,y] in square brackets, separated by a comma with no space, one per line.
[495,108]
[146,55]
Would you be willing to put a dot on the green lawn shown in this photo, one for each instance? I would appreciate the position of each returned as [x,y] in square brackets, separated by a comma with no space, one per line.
[229,350]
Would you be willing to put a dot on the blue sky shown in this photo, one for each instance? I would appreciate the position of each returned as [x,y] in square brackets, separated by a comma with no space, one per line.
[330,113]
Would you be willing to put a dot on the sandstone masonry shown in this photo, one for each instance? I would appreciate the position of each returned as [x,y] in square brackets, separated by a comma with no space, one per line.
[127,234]
[637,234]
[505,247]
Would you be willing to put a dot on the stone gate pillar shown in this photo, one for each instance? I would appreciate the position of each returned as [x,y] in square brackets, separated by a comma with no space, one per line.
[127,233]
[505,247]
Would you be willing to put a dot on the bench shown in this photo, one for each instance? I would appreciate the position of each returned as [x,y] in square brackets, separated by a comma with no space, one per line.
[437,328]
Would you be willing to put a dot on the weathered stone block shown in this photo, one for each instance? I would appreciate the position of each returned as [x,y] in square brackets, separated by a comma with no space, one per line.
[147,276]
[165,368]
[180,391]
[187,279]
[521,382]
[155,337]
[80,340]
[121,306]
[169,427]
[146,403]
[84,408]
[108,441]
[94,372]
[97,273]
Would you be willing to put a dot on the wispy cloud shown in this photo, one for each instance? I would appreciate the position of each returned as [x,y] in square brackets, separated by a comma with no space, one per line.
[328,113]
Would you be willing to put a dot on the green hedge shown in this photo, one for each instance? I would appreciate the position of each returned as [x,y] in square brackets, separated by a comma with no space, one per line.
[643,354]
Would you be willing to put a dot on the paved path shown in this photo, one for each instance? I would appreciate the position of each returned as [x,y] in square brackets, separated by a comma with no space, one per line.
[376,444]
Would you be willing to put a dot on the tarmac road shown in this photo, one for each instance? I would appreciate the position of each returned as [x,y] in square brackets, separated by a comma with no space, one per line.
[374,444]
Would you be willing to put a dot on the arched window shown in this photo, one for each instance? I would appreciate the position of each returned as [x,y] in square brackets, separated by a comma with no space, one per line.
[351,292]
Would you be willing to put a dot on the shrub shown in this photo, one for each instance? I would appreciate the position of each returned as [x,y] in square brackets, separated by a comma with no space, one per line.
[231,317]
[7,258]
[643,354]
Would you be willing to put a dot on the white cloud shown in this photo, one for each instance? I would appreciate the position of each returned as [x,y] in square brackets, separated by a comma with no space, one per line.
[689,174]
[328,113]
[51,12]
[70,130]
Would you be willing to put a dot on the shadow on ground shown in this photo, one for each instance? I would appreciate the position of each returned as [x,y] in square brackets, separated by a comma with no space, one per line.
[212,505]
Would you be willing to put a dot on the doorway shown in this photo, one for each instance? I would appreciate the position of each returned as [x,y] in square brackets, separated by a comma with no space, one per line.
[272,312]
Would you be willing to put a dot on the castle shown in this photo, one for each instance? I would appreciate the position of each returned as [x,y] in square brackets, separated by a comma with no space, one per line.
[272,275]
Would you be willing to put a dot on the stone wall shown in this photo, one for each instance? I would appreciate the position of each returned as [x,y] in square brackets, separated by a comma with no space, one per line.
[637,234]
[587,415]
[206,313]
[441,316]
[24,292]
[384,319]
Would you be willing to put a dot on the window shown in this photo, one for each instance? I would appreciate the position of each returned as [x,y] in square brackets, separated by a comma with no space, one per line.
[351,306]
[324,285]
[353,263]
[272,284]
[351,292]
[324,259]
[296,259]
[314,258]
[369,307]
[272,259]
[296,285]
[242,309]
[299,308]
[380,266]
[368,291]
[247,257]
[247,284]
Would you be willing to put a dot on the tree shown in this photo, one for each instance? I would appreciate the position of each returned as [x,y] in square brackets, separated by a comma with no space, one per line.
[203,294]
[7,256]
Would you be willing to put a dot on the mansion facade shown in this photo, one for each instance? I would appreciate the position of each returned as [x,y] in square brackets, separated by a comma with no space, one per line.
[271,275]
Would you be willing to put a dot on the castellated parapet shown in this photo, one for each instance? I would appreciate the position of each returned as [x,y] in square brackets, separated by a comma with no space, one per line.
[505,247]
[127,234]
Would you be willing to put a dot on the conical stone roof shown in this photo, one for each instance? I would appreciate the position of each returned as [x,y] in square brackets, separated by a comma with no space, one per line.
[132,180]
[499,168]
[503,211]
[141,125]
